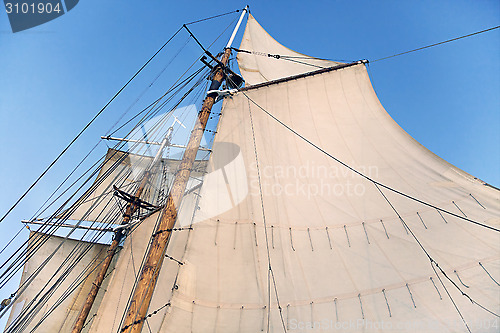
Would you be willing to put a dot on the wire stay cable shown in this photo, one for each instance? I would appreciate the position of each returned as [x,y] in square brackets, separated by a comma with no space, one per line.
[32,249]
[215,16]
[378,185]
[87,126]
[289,58]
[440,43]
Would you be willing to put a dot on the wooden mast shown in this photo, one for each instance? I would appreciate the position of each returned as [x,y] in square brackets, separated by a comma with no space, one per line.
[146,284]
[132,207]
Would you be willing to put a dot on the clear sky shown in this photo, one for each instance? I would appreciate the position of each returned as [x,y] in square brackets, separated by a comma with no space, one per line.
[55,77]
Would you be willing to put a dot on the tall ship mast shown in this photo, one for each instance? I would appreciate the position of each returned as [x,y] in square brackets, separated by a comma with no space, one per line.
[310,211]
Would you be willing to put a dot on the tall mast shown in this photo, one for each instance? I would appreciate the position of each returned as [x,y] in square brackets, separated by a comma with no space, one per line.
[132,207]
[148,278]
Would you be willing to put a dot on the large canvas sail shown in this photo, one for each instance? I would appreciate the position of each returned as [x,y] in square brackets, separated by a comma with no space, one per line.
[57,278]
[108,317]
[316,212]
[256,61]
[43,306]
[312,245]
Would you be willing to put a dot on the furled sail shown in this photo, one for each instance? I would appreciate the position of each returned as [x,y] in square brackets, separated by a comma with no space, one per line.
[59,312]
[258,65]
[305,243]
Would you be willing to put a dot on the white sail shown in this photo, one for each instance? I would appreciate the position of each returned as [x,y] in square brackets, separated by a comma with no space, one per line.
[123,170]
[78,283]
[121,274]
[109,315]
[341,257]
[258,67]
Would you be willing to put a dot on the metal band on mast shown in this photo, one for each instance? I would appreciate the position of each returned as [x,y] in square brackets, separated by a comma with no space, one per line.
[148,278]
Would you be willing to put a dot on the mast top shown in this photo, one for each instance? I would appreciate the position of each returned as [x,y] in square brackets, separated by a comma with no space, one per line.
[230,42]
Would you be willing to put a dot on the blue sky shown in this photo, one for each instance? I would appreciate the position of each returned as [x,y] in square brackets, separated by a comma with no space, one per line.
[55,77]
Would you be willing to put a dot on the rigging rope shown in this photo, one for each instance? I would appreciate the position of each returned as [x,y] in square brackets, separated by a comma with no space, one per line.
[270,273]
[39,245]
[199,43]
[150,85]
[212,17]
[97,183]
[433,262]
[377,184]
[33,247]
[66,293]
[363,175]
[283,57]
[101,111]
[87,126]
[440,43]
[205,50]
[289,58]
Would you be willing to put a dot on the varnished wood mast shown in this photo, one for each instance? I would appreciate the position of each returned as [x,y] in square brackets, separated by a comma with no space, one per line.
[143,292]
[131,209]
[149,275]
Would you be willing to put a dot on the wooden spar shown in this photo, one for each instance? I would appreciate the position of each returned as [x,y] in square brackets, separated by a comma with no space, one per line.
[143,293]
[130,210]
[147,281]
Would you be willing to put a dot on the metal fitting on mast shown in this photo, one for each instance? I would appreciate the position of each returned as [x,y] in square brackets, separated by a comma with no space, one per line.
[143,293]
